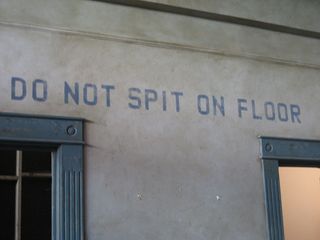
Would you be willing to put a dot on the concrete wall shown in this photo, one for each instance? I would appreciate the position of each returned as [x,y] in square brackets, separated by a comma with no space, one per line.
[109,21]
[152,172]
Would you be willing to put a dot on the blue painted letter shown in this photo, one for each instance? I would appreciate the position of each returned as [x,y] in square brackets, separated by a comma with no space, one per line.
[43,97]
[22,94]
[254,115]
[150,96]
[108,90]
[68,91]
[177,95]
[205,110]
[137,105]
[94,96]
[283,115]
[217,105]
[269,111]
[295,113]
[241,107]
[164,101]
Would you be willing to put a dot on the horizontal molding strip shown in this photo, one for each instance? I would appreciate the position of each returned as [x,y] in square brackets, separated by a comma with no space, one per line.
[215,16]
[160,44]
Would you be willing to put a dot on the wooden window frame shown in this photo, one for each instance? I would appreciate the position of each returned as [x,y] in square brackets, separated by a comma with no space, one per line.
[65,137]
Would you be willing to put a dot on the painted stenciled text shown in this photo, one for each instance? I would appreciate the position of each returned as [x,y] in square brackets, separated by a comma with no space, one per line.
[145,99]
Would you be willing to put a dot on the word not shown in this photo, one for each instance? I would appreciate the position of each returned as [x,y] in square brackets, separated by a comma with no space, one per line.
[144,98]
[279,111]
[89,93]
[19,89]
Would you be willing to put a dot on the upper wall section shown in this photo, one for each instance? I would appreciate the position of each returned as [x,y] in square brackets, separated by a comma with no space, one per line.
[291,13]
[140,26]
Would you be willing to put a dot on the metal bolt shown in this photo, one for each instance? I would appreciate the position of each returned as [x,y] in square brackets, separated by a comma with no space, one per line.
[71,130]
[268,147]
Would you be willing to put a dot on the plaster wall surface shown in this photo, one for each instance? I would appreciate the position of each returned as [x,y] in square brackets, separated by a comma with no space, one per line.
[110,21]
[153,170]
[155,174]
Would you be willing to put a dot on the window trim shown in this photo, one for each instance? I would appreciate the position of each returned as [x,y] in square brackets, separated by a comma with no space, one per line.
[275,152]
[65,136]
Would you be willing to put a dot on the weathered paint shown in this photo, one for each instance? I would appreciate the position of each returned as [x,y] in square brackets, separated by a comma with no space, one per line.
[171,134]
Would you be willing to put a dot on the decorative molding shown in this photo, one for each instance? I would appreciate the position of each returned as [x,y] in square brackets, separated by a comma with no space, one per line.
[273,200]
[68,214]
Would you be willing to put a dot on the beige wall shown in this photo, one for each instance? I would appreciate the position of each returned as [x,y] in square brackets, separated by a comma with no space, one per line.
[120,23]
[300,194]
[155,174]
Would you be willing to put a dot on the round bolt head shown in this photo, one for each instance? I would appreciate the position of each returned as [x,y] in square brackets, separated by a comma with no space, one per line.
[71,131]
[268,147]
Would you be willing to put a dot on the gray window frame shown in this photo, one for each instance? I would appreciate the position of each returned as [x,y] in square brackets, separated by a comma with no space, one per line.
[65,137]
[275,152]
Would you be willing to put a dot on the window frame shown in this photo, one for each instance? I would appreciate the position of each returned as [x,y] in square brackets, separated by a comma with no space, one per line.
[275,152]
[65,136]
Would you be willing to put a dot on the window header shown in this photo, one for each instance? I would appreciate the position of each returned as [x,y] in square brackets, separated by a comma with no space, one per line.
[28,128]
[289,149]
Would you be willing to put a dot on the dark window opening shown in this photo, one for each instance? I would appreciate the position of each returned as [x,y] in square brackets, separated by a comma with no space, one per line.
[8,162]
[7,209]
[25,190]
